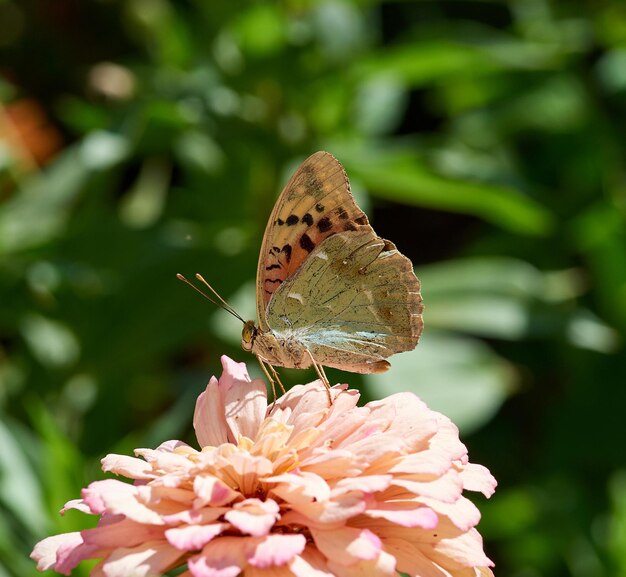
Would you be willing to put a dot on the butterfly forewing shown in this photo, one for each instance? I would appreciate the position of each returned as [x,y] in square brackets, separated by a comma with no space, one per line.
[315,204]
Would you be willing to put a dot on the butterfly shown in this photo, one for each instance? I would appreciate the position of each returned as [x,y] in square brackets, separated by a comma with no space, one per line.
[329,291]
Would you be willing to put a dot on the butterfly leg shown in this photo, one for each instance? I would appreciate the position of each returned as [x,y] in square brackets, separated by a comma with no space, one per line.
[319,369]
[264,364]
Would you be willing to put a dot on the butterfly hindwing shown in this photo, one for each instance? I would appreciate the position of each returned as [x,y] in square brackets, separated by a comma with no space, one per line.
[315,204]
[354,303]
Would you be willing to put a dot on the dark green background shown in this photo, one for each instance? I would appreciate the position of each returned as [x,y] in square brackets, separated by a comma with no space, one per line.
[486,139]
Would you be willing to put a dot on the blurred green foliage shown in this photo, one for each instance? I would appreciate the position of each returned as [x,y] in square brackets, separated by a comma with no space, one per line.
[487,139]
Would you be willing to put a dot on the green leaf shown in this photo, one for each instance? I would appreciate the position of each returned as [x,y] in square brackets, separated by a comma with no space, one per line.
[403,178]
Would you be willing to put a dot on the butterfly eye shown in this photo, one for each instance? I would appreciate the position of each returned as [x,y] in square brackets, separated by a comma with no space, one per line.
[247,335]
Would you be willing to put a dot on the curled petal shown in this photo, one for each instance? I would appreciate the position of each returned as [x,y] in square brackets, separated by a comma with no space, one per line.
[78,504]
[253,516]
[208,419]
[127,466]
[117,497]
[245,406]
[478,478]
[45,552]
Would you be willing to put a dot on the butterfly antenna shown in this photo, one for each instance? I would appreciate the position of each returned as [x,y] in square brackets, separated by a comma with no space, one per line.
[220,303]
[224,303]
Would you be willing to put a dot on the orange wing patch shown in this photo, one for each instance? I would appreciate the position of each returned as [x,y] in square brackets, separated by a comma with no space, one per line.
[315,204]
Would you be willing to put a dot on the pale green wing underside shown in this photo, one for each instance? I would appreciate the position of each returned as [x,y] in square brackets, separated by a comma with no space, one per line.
[352,303]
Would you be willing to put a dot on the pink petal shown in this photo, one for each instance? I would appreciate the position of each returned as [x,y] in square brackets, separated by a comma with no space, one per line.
[447,488]
[122,533]
[300,487]
[428,462]
[147,560]
[466,550]
[411,560]
[68,556]
[409,418]
[208,418]
[274,550]
[363,483]
[116,497]
[347,545]
[404,514]
[127,466]
[162,459]
[447,438]
[78,504]
[245,401]
[253,516]
[223,557]
[45,552]
[384,565]
[478,478]
[193,537]
[462,513]
[337,510]
[211,491]
[310,563]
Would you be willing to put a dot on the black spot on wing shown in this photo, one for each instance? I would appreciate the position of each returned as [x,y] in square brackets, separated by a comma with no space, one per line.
[306,243]
[361,220]
[319,207]
[272,267]
[280,222]
[287,250]
[324,224]
[342,214]
[349,226]
[292,219]
[308,219]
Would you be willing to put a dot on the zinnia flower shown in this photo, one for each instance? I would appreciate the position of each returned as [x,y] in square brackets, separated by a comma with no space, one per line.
[296,488]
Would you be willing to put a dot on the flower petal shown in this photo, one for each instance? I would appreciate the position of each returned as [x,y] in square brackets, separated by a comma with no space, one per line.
[310,563]
[411,560]
[208,418]
[245,401]
[478,478]
[45,552]
[117,497]
[193,537]
[210,490]
[223,557]
[384,565]
[405,514]
[122,533]
[128,466]
[347,545]
[253,516]
[274,550]
[146,560]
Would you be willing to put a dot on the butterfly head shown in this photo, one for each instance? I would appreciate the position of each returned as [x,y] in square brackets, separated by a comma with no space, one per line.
[248,335]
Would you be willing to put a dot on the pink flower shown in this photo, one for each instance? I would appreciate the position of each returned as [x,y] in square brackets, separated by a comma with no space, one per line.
[298,488]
